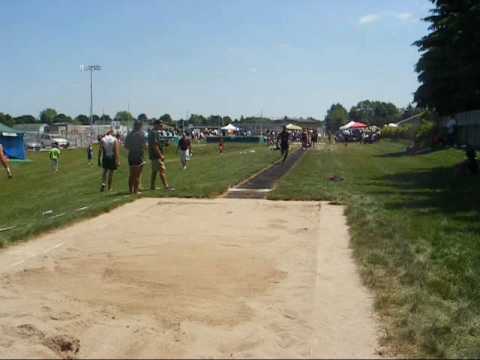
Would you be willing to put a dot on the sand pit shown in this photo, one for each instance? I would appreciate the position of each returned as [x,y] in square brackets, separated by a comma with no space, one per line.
[189,278]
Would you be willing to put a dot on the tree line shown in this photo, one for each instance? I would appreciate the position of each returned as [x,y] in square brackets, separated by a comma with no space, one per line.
[370,112]
[51,116]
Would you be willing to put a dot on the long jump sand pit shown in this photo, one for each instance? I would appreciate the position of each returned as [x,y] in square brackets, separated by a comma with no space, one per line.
[189,278]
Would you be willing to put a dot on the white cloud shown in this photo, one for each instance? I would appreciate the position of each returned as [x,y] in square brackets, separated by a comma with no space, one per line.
[368,19]
[404,16]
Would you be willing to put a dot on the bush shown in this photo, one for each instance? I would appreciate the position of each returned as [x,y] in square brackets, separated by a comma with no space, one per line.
[425,133]
[396,133]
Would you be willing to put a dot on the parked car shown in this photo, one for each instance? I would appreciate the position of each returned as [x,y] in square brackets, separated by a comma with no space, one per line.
[33,145]
[47,140]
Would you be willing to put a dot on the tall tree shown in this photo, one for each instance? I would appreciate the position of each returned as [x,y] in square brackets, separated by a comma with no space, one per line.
[196,119]
[336,116]
[167,119]
[124,117]
[25,119]
[62,118]
[105,119]
[6,119]
[374,112]
[215,120]
[48,115]
[143,118]
[448,68]
[82,119]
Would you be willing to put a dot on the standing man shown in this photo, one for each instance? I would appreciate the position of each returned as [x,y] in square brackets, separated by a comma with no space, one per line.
[5,162]
[157,157]
[314,138]
[54,155]
[108,158]
[283,138]
[185,146]
[451,130]
[221,145]
[304,139]
[90,154]
[135,144]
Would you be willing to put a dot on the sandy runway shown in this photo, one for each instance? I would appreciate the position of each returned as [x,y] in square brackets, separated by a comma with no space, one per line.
[189,278]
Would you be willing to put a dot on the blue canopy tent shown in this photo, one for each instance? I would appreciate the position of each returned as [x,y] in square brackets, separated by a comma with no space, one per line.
[12,142]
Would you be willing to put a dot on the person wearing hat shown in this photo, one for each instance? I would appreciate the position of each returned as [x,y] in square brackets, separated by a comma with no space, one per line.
[157,156]
[135,144]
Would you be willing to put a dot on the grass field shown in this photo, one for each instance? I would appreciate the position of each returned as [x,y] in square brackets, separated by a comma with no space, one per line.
[35,189]
[416,234]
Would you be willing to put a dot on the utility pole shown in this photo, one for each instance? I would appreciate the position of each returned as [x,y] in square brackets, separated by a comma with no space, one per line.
[91,68]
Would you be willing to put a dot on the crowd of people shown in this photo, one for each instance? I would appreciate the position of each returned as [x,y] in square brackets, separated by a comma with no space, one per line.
[307,137]
[367,135]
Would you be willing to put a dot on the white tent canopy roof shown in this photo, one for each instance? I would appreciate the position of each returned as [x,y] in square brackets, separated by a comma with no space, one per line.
[347,126]
[293,127]
[230,127]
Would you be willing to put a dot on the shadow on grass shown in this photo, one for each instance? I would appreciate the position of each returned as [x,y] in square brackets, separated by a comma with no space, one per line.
[436,192]
[439,187]
[405,153]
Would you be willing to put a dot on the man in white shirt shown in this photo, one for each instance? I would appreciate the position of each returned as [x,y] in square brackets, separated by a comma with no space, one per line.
[108,158]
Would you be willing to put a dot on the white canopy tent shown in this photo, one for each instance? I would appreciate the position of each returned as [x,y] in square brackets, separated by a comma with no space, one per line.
[230,128]
[293,127]
[347,126]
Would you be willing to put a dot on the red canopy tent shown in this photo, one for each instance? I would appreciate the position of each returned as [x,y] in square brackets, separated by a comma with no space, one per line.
[359,125]
[354,125]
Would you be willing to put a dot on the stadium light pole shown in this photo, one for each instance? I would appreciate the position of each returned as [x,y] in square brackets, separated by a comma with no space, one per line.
[91,68]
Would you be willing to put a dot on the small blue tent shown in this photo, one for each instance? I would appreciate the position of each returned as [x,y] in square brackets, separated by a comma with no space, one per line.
[12,142]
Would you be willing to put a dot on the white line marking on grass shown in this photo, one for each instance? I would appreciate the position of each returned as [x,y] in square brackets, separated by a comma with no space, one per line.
[82,208]
[7,228]
[57,216]
[249,190]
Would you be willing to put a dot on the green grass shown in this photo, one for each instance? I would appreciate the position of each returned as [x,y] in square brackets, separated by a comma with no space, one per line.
[35,189]
[416,235]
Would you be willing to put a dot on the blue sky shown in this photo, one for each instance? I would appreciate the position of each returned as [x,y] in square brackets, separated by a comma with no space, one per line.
[228,57]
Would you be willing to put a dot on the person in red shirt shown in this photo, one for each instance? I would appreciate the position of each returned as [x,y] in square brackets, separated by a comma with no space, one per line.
[221,145]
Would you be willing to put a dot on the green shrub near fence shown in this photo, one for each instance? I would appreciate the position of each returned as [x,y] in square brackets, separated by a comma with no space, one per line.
[397,133]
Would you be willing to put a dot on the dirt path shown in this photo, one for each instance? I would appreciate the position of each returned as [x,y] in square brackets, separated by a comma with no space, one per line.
[189,278]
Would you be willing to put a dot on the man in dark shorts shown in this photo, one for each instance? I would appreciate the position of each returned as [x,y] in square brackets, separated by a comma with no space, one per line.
[108,158]
[90,154]
[135,144]
[185,147]
[314,138]
[283,138]
[156,152]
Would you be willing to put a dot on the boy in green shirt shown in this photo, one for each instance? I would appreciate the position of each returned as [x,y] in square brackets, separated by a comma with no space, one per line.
[54,155]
